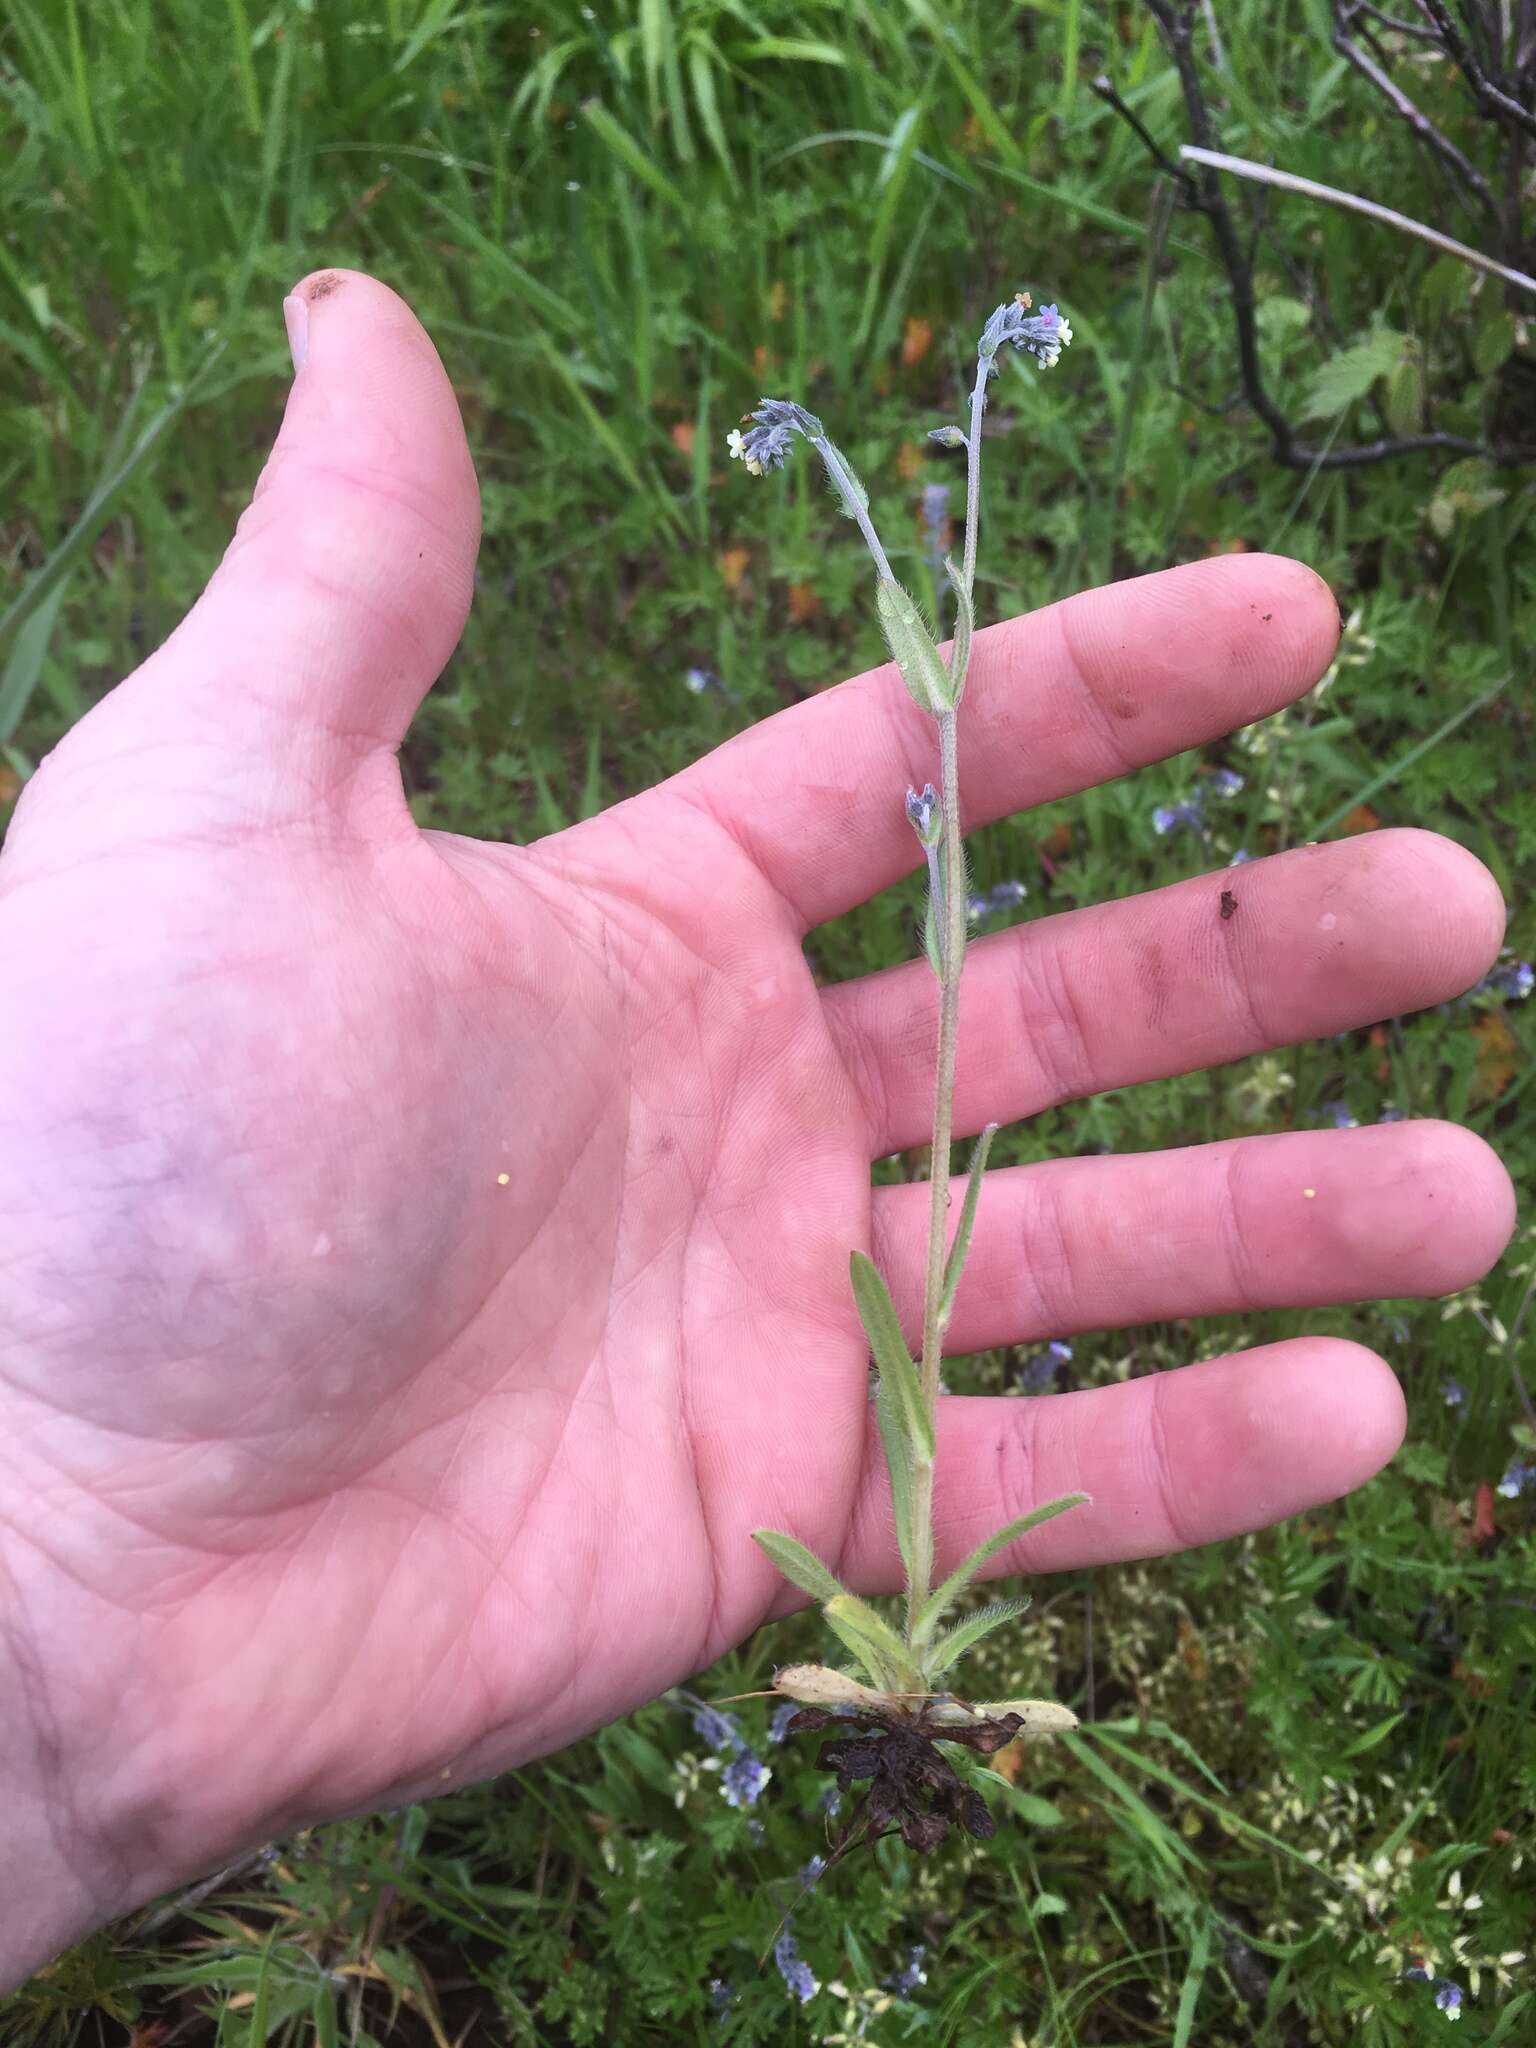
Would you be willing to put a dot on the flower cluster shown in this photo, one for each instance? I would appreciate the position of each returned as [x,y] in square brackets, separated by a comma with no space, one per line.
[910,1975]
[798,1976]
[1225,783]
[764,446]
[745,1774]
[1042,335]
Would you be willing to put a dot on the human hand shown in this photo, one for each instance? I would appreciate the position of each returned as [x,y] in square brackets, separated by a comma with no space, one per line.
[428,1260]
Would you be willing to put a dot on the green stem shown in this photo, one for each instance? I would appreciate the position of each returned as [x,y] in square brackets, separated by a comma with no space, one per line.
[847,487]
[952,958]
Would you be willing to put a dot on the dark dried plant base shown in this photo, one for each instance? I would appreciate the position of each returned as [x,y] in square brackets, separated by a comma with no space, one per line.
[914,1790]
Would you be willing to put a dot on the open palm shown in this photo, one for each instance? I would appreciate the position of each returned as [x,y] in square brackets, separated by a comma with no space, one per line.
[426,1261]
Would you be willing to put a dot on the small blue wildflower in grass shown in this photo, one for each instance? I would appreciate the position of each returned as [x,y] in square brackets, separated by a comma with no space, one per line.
[721,1993]
[1390,1115]
[1042,335]
[978,907]
[699,680]
[1516,1479]
[719,1730]
[765,445]
[830,1800]
[1226,782]
[811,1871]
[1242,854]
[1448,1998]
[924,815]
[1514,981]
[797,1975]
[757,1834]
[1168,818]
[1417,1973]
[1040,1371]
[1453,1393]
[780,1718]
[906,1980]
[1007,894]
[743,1779]
[1341,1116]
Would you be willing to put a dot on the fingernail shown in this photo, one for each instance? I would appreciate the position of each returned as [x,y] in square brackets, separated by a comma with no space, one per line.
[296,314]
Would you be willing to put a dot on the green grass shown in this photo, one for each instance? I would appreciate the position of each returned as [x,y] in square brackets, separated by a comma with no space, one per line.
[622,224]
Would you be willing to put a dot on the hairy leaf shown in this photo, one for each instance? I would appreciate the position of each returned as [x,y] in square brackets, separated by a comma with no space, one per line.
[965,626]
[1350,373]
[912,648]
[965,1635]
[801,1566]
[1010,1532]
[877,1312]
[954,1265]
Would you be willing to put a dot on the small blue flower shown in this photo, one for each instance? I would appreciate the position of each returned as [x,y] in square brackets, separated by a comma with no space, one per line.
[830,1800]
[1341,1116]
[1006,894]
[1169,817]
[1453,1393]
[1514,981]
[699,680]
[1242,854]
[906,1980]
[978,907]
[924,815]
[810,1872]
[764,446]
[743,1779]
[1448,1998]
[1042,335]
[721,1993]
[797,1975]
[1390,1115]
[1040,1371]
[1226,782]
[720,1731]
[780,1718]
[1516,1479]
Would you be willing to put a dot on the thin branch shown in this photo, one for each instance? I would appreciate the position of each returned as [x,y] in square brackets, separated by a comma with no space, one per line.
[1288,181]
[1203,194]
[1440,145]
[1489,95]
[1105,89]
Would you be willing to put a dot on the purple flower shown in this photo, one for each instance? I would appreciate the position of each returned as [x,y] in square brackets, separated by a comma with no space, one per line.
[1042,335]
[1226,782]
[811,1871]
[924,815]
[1516,1479]
[1390,1115]
[765,445]
[1448,1998]
[830,1800]
[1040,1371]
[906,1980]
[1453,1393]
[743,1779]
[720,1731]
[780,1718]
[978,907]
[721,1993]
[1341,1116]
[1514,981]
[797,1975]
[1169,817]
[1242,854]
[1006,894]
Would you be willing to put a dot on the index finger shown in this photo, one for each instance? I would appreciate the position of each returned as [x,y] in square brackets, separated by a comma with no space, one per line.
[1068,697]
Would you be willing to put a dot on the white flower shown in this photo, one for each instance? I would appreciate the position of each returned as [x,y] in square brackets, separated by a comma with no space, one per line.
[738,448]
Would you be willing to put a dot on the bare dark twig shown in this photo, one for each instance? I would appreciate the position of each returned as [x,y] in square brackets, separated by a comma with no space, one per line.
[1202,193]
[1491,95]
[1440,145]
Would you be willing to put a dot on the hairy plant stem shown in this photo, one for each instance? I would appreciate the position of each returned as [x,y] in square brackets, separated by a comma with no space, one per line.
[853,498]
[952,963]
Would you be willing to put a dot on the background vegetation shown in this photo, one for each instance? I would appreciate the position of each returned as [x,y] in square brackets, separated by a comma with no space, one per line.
[1310,1771]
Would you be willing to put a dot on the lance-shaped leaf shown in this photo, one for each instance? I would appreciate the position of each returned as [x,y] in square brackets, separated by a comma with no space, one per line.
[965,626]
[965,1635]
[906,1428]
[954,1265]
[800,1565]
[873,1641]
[877,1312]
[1040,1717]
[961,1576]
[912,648]
[818,1685]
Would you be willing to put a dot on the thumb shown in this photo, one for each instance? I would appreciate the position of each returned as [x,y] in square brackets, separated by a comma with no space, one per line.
[349,577]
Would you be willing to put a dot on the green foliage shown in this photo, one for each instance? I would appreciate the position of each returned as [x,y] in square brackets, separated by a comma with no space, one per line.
[1293,1744]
